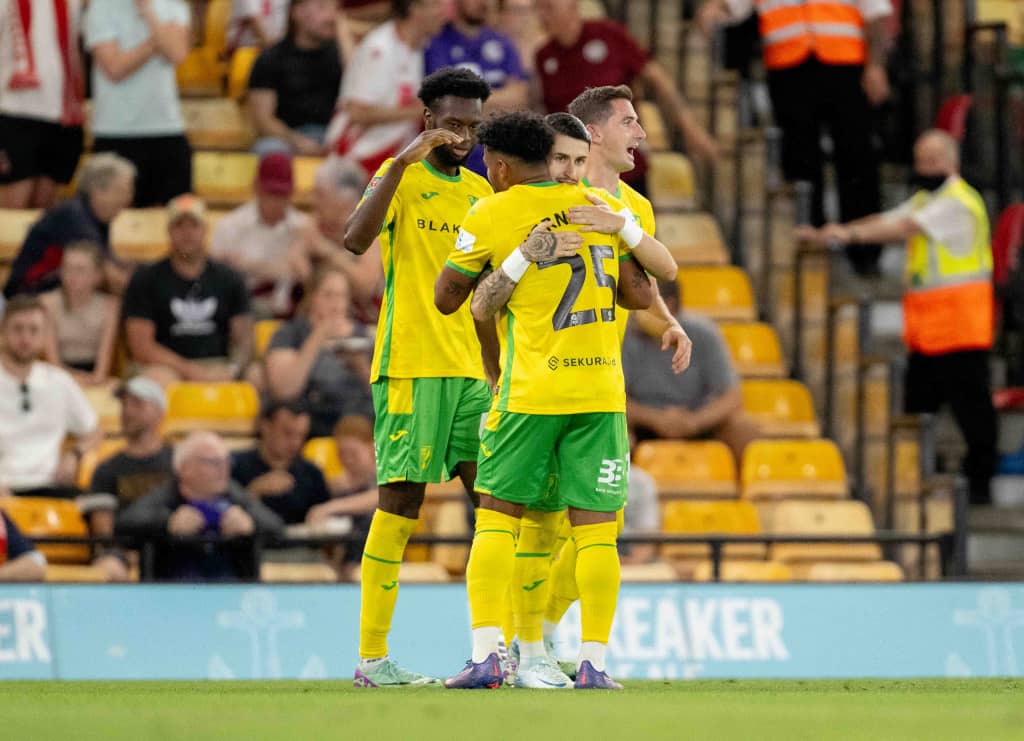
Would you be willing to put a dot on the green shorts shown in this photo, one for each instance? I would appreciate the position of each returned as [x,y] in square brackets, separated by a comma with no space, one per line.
[427,426]
[552,461]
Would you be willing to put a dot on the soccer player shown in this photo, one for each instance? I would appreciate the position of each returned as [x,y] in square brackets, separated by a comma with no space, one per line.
[561,390]
[428,382]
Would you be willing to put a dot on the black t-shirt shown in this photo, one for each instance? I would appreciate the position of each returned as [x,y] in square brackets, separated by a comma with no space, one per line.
[129,478]
[307,81]
[310,487]
[192,316]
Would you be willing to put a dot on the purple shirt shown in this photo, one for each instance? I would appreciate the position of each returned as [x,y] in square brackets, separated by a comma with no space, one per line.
[490,54]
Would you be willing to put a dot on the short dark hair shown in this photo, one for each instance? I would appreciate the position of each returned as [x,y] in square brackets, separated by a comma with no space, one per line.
[21,304]
[458,82]
[401,8]
[567,124]
[594,105]
[271,406]
[521,134]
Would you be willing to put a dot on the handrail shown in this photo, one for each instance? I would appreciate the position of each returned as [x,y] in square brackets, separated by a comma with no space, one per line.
[774,186]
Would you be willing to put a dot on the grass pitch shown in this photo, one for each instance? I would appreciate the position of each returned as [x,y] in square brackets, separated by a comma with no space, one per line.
[312,711]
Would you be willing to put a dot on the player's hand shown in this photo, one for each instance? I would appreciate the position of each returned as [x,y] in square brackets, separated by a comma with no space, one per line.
[544,244]
[597,218]
[272,483]
[186,520]
[875,83]
[423,144]
[235,522]
[675,336]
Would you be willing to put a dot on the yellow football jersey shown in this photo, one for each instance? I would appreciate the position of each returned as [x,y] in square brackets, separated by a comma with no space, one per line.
[414,339]
[560,348]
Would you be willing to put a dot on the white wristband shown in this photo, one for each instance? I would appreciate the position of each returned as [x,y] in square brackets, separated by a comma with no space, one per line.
[631,232]
[515,265]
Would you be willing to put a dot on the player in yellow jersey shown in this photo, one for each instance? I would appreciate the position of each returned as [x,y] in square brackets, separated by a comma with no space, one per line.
[428,380]
[561,392]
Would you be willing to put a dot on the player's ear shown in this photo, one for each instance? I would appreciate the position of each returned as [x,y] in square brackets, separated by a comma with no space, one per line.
[595,134]
[428,118]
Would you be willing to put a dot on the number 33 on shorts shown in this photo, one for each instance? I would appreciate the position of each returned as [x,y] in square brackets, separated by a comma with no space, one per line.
[612,474]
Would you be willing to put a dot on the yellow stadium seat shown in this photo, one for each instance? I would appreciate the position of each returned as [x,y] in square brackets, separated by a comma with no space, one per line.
[39,517]
[780,469]
[297,573]
[849,518]
[75,574]
[215,24]
[754,348]
[711,518]
[201,74]
[140,234]
[238,71]
[684,468]
[717,292]
[324,453]
[670,181]
[223,179]
[592,9]
[304,169]
[655,571]
[744,571]
[654,125]
[693,239]
[94,457]
[1010,12]
[884,571]
[426,572]
[450,520]
[215,123]
[228,408]
[263,331]
[107,408]
[781,407]
[14,226]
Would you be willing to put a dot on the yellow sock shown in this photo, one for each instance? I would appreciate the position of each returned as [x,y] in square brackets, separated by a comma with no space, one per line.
[598,575]
[563,579]
[382,558]
[489,571]
[531,576]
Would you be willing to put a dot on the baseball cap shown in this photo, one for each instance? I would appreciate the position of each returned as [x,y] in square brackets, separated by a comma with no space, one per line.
[274,175]
[186,205]
[146,389]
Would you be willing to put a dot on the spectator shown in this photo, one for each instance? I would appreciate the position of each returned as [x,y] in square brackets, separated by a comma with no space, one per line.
[466,41]
[84,321]
[105,187]
[187,316]
[136,113]
[380,112]
[275,471]
[826,64]
[260,239]
[40,405]
[322,357]
[705,401]
[582,54]
[294,84]
[642,516]
[259,23]
[19,559]
[201,500]
[42,95]
[948,304]
[517,19]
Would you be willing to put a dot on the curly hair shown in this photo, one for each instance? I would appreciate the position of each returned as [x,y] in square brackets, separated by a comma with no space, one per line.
[455,81]
[521,134]
[567,124]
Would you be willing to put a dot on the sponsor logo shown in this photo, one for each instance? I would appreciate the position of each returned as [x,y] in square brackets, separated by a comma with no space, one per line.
[428,196]
[465,242]
[23,632]
[473,200]
[389,587]
[396,436]
[612,473]
[533,586]
[595,360]
[430,225]
[553,363]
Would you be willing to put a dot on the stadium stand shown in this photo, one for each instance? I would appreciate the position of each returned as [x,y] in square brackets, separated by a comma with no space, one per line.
[692,469]
[781,408]
[755,349]
[780,469]
[718,292]
[227,408]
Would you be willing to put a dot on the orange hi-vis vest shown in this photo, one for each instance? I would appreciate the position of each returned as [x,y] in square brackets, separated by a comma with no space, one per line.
[948,305]
[793,30]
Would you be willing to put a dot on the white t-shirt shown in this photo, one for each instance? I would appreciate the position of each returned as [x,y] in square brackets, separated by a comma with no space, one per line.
[145,103]
[385,71]
[272,14]
[641,515]
[33,425]
[45,102]
[870,9]
[943,219]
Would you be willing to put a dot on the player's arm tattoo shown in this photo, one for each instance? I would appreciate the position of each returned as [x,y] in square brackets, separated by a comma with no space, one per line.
[539,246]
[491,295]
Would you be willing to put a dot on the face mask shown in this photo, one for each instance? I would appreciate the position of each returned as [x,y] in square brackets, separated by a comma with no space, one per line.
[927,182]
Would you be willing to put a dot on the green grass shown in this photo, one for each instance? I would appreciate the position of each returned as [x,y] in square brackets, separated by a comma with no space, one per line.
[833,709]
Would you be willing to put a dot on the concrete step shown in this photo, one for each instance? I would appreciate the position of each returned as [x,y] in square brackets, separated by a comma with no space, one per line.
[995,544]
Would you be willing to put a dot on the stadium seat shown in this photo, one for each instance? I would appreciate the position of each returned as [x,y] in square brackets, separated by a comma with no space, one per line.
[94,457]
[324,453]
[223,179]
[711,518]
[304,169]
[201,74]
[754,348]
[450,520]
[670,181]
[228,408]
[215,24]
[846,518]
[952,115]
[75,573]
[781,469]
[297,573]
[14,226]
[216,123]
[1004,11]
[425,573]
[683,468]
[717,292]
[238,71]
[107,408]
[743,571]
[781,407]
[877,571]
[263,330]
[656,571]
[140,234]
[1006,242]
[654,125]
[39,517]
[693,239]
